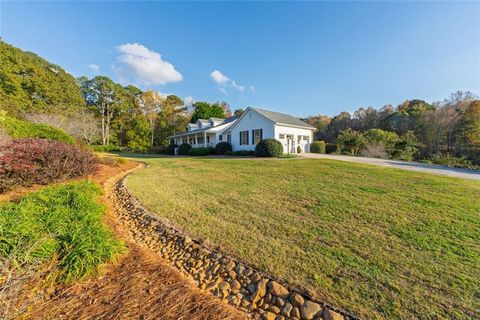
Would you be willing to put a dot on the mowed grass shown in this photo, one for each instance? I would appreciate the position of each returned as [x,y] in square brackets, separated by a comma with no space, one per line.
[61,226]
[381,243]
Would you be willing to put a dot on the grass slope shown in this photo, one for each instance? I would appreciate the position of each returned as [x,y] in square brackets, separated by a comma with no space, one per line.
[382,243]
[61,223]
[16,128]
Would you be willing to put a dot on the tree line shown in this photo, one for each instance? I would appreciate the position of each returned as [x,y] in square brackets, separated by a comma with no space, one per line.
[415,129]
[97,110]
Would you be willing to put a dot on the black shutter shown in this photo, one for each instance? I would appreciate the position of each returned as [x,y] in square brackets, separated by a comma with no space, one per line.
[247,137]
[253,136]
[241,142]
[261,134]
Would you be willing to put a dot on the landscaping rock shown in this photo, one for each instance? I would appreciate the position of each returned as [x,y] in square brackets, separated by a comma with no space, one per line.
[224,286]
[269,316]
[296,300]
[287,308]
[235,285]
[295,313]
[332,315]
[260,291]
[309,310]
[277,289]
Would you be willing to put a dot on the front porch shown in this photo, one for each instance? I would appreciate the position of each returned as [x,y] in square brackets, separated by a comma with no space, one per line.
[196,140]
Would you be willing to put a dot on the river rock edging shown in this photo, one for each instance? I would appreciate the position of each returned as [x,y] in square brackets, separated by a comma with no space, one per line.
[233,281]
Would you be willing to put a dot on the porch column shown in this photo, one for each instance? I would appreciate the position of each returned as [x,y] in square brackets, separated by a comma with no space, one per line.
[205,139]
[195,140]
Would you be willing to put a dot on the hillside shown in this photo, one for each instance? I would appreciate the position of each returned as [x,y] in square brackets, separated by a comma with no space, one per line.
[29,83]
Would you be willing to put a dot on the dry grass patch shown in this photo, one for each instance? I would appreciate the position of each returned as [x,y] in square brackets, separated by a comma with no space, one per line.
[382,243]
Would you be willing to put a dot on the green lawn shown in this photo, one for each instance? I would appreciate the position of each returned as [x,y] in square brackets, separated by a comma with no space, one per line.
[381,243]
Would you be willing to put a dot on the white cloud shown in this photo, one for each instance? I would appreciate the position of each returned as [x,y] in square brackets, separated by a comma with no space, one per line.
[225,82]
[238,86]
[144,66]
[219,77]
[253,88]
[94,68]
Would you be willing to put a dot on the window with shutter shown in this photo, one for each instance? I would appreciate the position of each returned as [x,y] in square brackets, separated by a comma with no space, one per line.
[244,137]
[256,136]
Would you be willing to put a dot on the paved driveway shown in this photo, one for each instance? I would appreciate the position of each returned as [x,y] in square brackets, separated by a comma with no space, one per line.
[404,165]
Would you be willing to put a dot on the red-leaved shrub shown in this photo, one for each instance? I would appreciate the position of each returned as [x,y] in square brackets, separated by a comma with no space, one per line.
[24,162]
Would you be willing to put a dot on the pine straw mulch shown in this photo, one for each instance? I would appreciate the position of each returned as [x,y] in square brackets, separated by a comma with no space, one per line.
[140,285]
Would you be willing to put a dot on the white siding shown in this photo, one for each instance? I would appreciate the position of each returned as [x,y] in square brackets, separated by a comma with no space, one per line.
[294,132]
[251,120]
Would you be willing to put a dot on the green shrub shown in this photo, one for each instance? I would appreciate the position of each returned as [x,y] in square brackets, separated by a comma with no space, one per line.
[170,149]
[110,148]
[184,149]
[350,141]
[222,148]
[201,151]
[381,137]
[299,149]
[407,147]
[64,223]
[243,153]
[331,148]
[16,128]
[24,162]
[318,147]
[450,160]
[268,148]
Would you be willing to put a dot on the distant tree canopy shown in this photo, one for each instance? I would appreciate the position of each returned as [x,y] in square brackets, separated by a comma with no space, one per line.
[29,83]
[414,128]
[205,110]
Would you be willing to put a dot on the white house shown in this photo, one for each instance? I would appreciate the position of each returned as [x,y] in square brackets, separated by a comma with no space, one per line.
[247,130]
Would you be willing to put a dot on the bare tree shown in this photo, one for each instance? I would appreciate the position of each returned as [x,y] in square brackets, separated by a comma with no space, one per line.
[84,125]
[152,103]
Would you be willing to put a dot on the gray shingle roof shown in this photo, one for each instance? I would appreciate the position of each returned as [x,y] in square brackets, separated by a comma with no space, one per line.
[282,118]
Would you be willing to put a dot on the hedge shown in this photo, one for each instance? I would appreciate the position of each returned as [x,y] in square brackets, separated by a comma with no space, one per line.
[318,147]
[201,151]
[268,148]
[242,153]
[223,147]
[331,148]
[184,149]
[16,128]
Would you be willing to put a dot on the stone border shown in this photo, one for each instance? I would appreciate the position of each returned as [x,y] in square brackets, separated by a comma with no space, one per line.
[235,282]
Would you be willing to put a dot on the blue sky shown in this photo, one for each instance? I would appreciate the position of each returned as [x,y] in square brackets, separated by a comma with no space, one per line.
[302,58]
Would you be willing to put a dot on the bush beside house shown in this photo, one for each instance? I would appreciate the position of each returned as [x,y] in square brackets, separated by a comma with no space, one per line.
[184,149]
[268,148]
[222,148]
[318,147]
